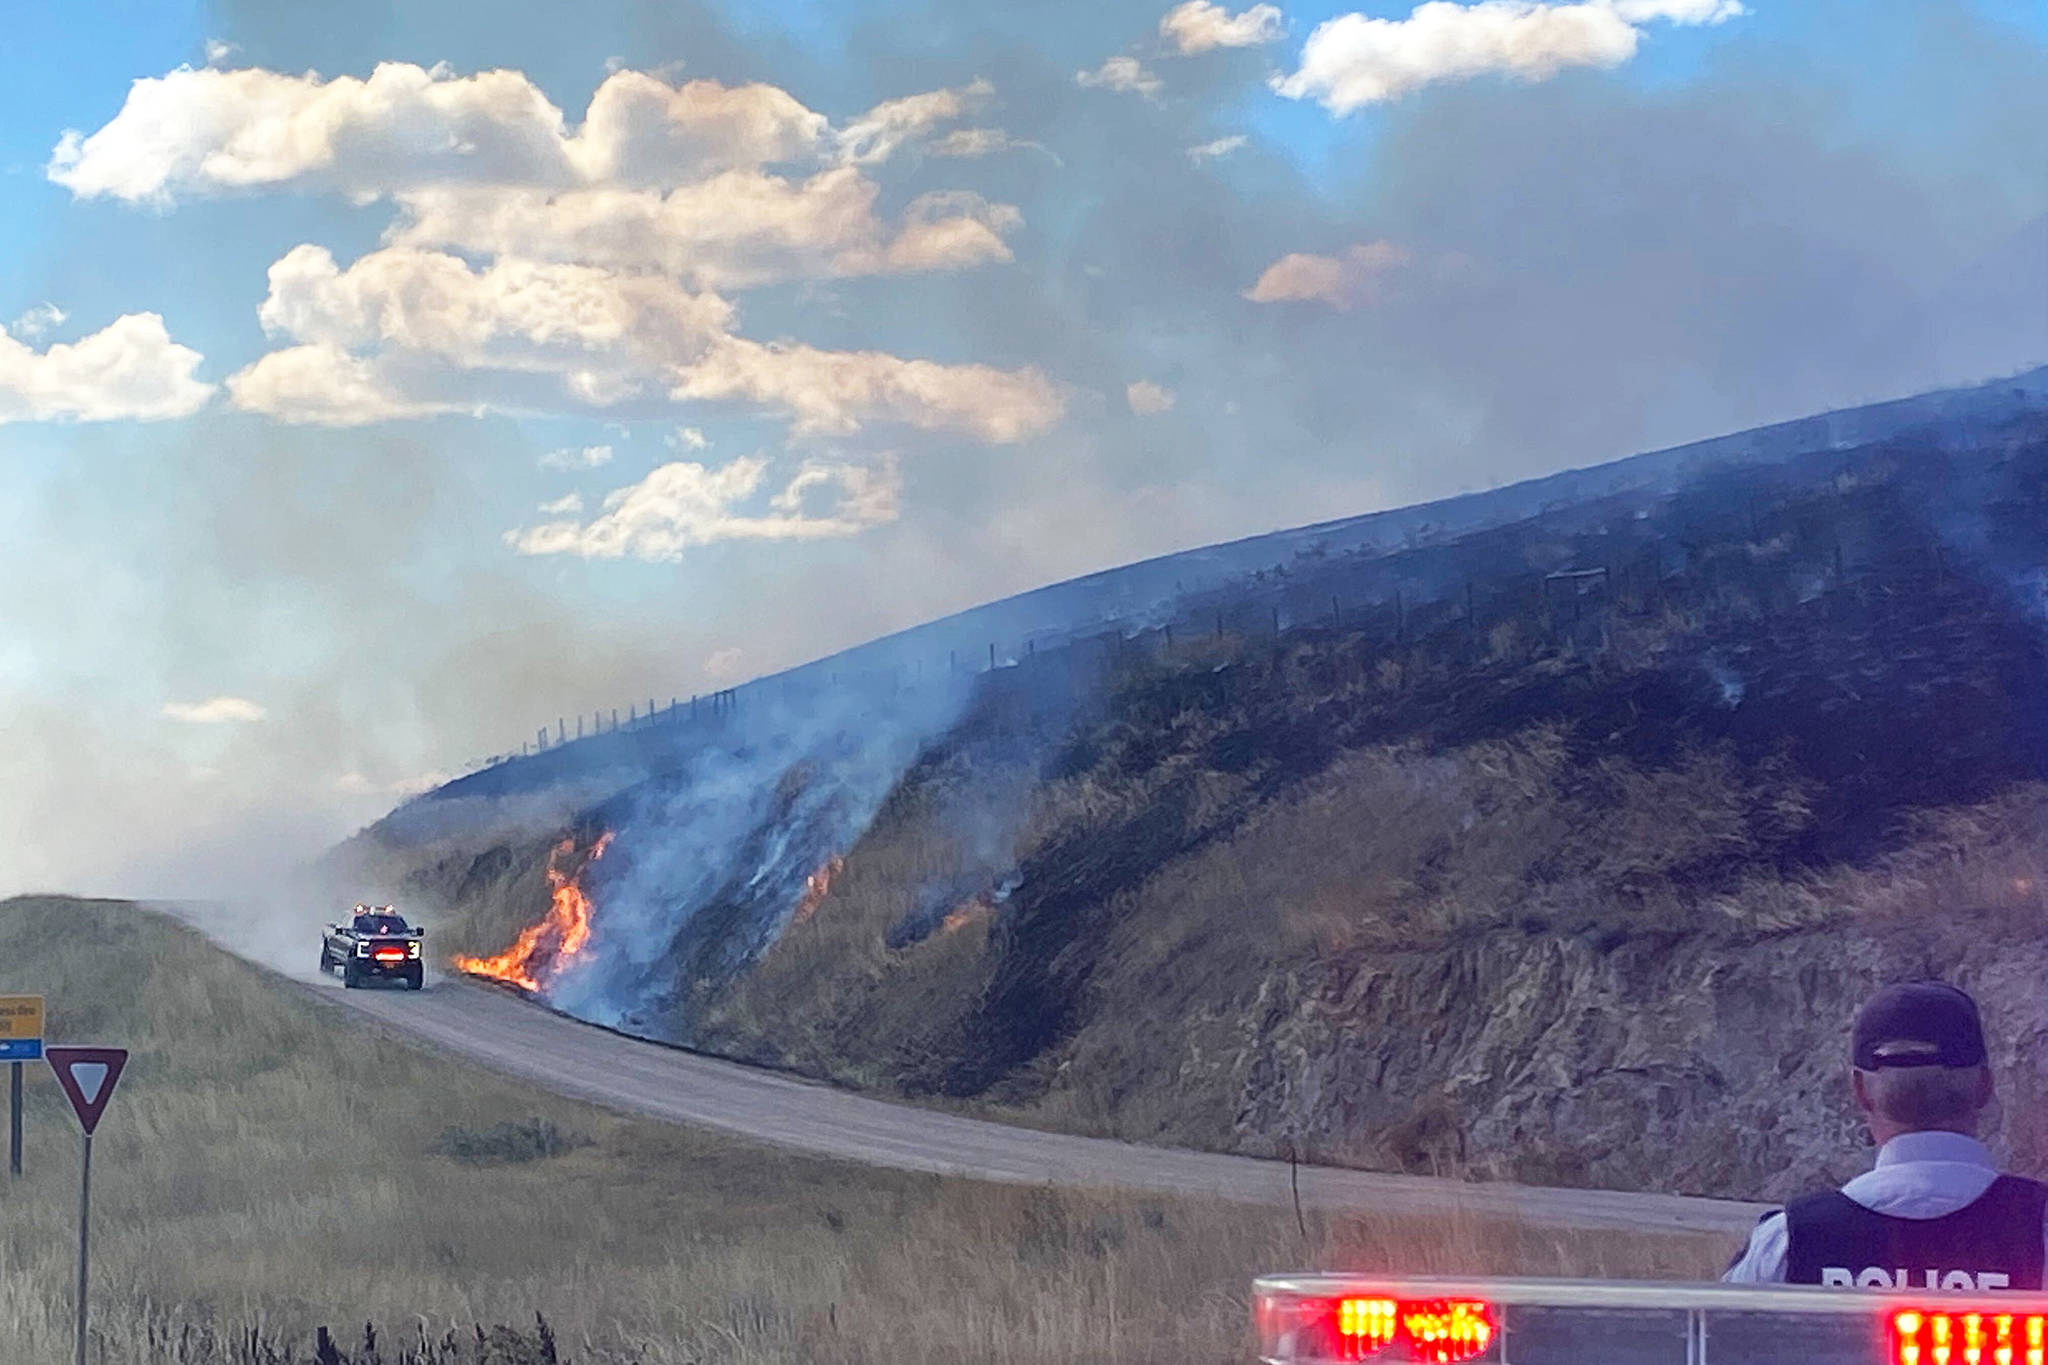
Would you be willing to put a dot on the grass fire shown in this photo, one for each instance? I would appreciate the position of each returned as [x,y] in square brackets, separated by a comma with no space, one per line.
[817,886]
[558,937]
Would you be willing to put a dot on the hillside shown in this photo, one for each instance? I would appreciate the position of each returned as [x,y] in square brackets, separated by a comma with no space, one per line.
[1493,850]
[271,1165]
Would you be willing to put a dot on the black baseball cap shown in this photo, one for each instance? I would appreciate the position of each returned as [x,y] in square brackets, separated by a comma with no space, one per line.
[1918,1023]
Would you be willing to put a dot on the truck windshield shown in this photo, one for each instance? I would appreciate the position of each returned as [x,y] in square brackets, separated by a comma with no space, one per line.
[380,924]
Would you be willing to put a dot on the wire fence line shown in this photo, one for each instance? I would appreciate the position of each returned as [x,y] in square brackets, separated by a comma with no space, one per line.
[1567,600]
[1389,605]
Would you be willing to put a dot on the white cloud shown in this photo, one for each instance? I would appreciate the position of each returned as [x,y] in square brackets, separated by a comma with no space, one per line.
[839,392]
[535,317]
[1148,399]
[1198,26]
[969,142]
[1222,146]
[324,385]
[404,333]
[408,128]
[569,504]
[33,324]
[128,370]
[725,665]
[210,131]
[1343,282]
[409,333]
[639,130]
[685,438]
[883,130]
[1126,75]
[854,495]
[1354,60]
[737,230]
[214,711]
[682,505]
[218,51]
[577,457]
[535,266]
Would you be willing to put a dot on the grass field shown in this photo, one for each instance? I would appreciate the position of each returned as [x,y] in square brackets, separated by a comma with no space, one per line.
[270,1166]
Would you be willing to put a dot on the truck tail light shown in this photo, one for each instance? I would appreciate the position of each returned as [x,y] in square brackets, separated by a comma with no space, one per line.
[390,954]
[1924,1336]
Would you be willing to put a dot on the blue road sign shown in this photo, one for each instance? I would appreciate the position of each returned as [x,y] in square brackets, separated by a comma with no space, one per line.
[21,1049]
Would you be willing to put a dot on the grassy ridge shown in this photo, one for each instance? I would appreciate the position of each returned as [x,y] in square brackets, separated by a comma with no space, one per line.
[1468,855]
[1495,880]
[270,1166]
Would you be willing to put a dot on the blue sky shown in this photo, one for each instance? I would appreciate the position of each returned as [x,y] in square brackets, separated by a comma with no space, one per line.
[1099,298]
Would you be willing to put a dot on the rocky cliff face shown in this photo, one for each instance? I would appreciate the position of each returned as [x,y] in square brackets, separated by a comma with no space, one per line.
[1711,1064]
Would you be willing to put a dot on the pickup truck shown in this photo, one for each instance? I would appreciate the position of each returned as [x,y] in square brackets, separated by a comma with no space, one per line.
[1320,1319]
[372,944]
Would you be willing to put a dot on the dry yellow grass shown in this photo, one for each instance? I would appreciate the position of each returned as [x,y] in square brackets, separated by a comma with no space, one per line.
[269,1163]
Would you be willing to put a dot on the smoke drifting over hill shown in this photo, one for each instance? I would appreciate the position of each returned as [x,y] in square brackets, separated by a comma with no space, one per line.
[1744,222]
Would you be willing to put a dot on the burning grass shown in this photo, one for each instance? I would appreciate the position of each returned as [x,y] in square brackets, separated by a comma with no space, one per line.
[555,940]
[270,1166]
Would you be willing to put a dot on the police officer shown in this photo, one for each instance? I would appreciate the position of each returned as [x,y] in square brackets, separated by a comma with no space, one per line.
[1935,1213]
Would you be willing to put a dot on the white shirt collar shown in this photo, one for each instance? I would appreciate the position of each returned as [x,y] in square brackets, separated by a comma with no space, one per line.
[1935,1146]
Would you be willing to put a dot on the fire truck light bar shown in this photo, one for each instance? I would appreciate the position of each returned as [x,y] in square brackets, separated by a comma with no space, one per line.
[1350,1320]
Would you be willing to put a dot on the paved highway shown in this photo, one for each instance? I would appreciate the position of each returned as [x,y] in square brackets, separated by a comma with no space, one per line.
[519,1039]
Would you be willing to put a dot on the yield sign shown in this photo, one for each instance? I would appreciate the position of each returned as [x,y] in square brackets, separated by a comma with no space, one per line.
[87,1075]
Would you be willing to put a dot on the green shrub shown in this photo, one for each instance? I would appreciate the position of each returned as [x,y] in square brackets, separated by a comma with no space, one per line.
[506,1143]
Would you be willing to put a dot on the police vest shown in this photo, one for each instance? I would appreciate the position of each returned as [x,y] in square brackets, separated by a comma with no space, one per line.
[1994,1242]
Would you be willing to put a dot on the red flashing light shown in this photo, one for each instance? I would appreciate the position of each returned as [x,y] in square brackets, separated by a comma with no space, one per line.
[1928,1337]
[1447,1330]
[390,955]
[1426,1331]
[1365,1327]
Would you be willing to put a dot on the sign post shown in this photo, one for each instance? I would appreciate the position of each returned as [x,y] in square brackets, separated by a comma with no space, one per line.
[87,1075]
[21,1040]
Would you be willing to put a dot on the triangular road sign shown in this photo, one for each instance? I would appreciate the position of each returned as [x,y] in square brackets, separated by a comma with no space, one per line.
[88,1075]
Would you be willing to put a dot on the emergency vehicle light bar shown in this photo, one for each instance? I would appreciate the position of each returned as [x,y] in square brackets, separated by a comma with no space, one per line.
[1348,1319]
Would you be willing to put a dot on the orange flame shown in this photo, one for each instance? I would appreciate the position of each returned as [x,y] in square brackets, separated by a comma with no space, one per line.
[817,886]
[557,938]
[964,914]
